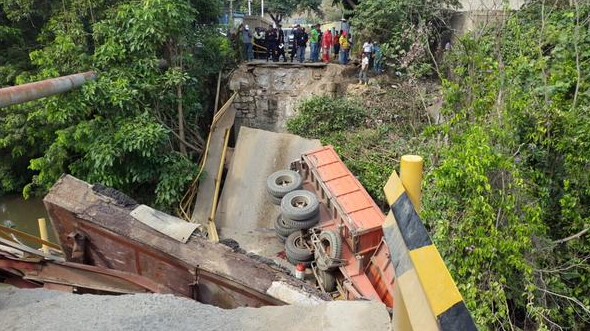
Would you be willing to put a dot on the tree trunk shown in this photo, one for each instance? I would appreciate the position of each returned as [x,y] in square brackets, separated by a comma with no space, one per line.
[278,18]
[181,133]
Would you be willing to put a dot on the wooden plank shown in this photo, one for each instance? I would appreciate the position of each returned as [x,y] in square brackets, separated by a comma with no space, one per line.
[169,225]
[29,237]
[13,251]
[32,251]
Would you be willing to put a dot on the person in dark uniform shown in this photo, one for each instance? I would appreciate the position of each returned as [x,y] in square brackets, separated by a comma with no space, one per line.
[259,48]
[271,42]
[296,32]
[281,45]
[281,34]
[301,45]
[281,52]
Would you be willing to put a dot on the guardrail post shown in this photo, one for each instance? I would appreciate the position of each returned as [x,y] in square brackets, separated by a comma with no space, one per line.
[411,175]
[43,232]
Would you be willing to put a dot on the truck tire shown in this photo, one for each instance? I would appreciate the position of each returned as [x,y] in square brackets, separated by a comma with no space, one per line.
[296,249]
[282,182]
[275,200]
[282,229]
[302,225]
[300,205]
[327,280]
[332,244]
[281,238]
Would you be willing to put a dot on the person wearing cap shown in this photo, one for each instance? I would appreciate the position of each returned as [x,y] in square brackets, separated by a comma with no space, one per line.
[247,40]
[272,43]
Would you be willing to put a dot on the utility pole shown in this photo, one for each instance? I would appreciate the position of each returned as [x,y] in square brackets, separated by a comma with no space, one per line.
[262,9]
[249,7]
[231,15]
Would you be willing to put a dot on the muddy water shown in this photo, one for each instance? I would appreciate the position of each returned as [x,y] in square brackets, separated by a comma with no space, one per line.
[24,214]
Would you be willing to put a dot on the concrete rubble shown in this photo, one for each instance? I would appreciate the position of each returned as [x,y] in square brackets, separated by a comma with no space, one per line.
[49,310]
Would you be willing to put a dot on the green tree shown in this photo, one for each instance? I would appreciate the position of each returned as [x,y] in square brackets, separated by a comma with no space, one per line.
[408,30]
[279,9]
[507,188]
[137,128]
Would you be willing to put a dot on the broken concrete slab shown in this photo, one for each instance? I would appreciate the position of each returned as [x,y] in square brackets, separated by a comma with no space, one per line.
[213,157]
[53,310]
[110,237]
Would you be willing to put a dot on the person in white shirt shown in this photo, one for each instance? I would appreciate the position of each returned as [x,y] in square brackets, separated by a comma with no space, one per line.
[368,50]
[368,47]
[364,68]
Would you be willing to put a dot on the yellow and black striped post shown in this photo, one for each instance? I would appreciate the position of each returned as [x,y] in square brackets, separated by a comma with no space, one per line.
[425,295]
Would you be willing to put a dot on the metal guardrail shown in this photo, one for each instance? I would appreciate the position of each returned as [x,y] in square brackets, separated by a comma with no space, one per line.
[426,295]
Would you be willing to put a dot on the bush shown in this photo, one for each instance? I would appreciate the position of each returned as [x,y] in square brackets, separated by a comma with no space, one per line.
[321,116]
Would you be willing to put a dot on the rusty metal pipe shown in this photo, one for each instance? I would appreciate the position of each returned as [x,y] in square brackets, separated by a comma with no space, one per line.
[32,91]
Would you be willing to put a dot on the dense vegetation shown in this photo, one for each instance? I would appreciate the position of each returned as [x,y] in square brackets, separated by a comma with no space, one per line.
[515,176]
[507,187]
[138,127]
[411,32]
[369,133]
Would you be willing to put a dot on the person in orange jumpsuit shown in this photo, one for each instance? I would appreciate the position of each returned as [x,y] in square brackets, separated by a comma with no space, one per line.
[327,42]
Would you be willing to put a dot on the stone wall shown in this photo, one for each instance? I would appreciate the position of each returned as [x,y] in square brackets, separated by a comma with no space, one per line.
[269,93]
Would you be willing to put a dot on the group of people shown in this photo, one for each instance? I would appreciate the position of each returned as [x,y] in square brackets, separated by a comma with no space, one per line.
[269,43]
[330,42]
[331,45]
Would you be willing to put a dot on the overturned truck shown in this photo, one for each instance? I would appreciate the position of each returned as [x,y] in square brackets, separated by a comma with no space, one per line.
[330,224]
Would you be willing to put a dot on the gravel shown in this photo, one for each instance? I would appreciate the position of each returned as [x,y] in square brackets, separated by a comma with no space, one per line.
[50,310]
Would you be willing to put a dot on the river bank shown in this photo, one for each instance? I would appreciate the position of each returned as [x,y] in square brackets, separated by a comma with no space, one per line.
[23,214]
